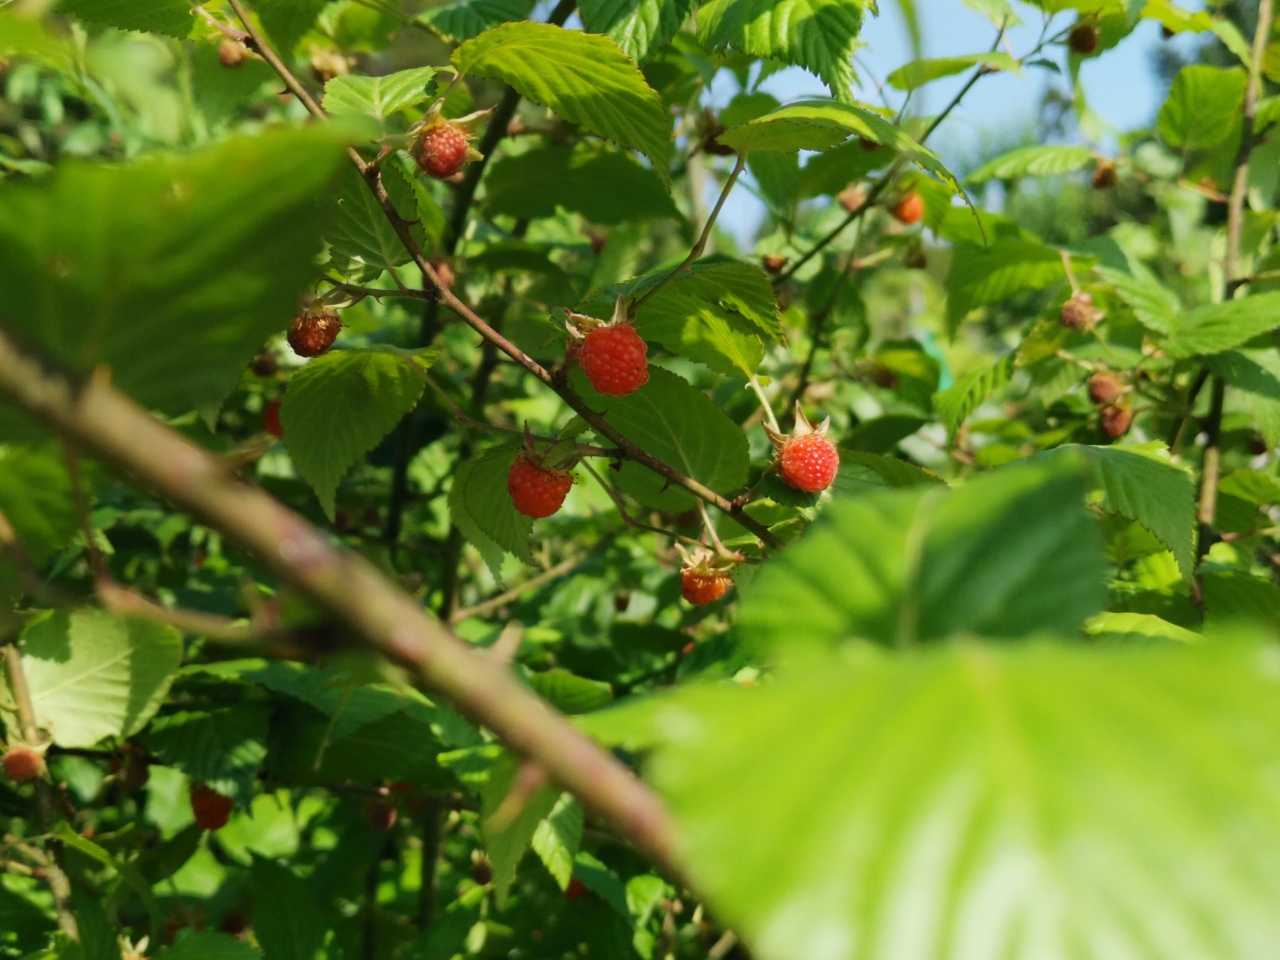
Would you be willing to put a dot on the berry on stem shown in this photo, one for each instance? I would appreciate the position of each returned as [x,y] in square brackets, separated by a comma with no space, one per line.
[909,209]
[1079,313]
[23,764]
[313,331]
[807,460]
[612,354]
[1083,38]
[442,147]
[211,809]
[271,419]
[537,491]
[1116,420]
[576,889]
[1104,387]
[381,814]
[705,576]
[1104,175]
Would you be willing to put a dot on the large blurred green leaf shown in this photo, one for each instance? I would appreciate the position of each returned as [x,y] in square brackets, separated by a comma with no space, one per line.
[1233,596]
[639,27]
[93,675]
[1032,161]
[223,748]
[1006,555]
[171,271]
[172,17]
[339,406]
[1203,106]
[584,78]
[35,497]
[455,22]
[1215,327]
[287,921]
[1008,801]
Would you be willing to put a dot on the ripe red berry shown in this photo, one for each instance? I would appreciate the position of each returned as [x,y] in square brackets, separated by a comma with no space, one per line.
[613,358]
[702,588]
[1083,38]
[271,419]
[441,150]
[909,209]
[809,462]
[22,764]
[576,889]
[212,810]
[313,332]
[1116,421]
[381,815]
[1104,387]
[537,490]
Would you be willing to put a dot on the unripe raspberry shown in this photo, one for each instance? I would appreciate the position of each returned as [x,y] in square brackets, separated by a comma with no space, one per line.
[613,358]
[852,197]
[909,209]
[1104,387]
[1079,312]
[271,419]
[264,365]
[1116,420]
[441,150]
[702,588]
[313,332]
[537,491]
[809,462]
[22,764]
[1104,175]
[774,262]
[381,814]
[481,869]
[576,889]
[1083,38]
[232,53]
[212,810]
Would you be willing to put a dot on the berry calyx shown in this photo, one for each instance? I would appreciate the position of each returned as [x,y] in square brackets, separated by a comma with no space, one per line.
[271,419]
[612,355]
[23,764]
[909,209]
[807,460]
[1116,420]
[313,331]
[211,809]
[1104,388]
[1083,38]
[537,491]
[1079,313]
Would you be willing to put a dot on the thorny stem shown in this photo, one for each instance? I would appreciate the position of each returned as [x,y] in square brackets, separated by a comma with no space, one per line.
[629,520]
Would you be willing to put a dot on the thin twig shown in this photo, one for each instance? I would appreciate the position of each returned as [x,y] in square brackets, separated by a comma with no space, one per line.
[631,521]
[765,407]
[561,569]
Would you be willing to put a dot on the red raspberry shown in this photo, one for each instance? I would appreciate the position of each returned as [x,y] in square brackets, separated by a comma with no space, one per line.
[1116,421]
[313,332]
[212,810]
[613,358]
[703,588]
[441,150]
[271,419]
[576,889]
[909,209]
[774,262]
[22,764]
[809,462]
[1104,387]
[537,491]
[381,815]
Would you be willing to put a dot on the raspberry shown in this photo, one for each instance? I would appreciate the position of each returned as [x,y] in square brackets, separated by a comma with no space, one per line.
[1104,175]
[232,53]
[774,262]
[852,197]
[271,419]
[909,209]
[576,889]
[313,332]
[22,764]
[702,588]
[381,815]
[264,365]
[441,150]
[1079,312]
[1116,420]
[1083,38]
[536,490]
[809,462]
[1104,387]
[613,358]
[481,869]
[212,810]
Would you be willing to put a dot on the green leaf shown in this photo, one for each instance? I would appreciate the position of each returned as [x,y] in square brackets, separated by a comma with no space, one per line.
[193,945]
[1215,327]
[984,275]
[1248,370]
[1232,596]
[1032,162]
[674,421]
[954,404]
[703,331]
[917,73]
[360,230]
[605,186]
[882,434]
[862,472]
[1020,801]
[93,675]
[35,497]
[223,748]
[337,408]
[461,518]
[1155,305]
[455,22]
[585,79]
[287,20]
[137,883]
[489,503]
[377,97]
[171,17]
[1008,554]
[507,845]
[287,921]
[819,35]
[1124,626]
[170,271]
[569,693]
[639,27]
[557,838]
[1203,106]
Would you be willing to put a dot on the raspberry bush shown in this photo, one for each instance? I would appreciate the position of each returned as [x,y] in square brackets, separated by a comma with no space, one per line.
[432,527]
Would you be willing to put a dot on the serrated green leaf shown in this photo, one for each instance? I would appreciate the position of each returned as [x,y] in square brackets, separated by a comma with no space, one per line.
[585,79]
[506,842]
[984,275]
[287,921]
[1007,554]
[223,748]
[93,675]
[35,497]
[954,404]
[287,20]
[917,73]
[171,17]
[702,331]
[1155,305]
[456,22]
[673,420]
[489,503]
[1248,370]
[1032,162]
[1128,625]
[461,518]
[339,406]
[602,881]
[377,97]
[557,838]
[137,883]
[605,186]
[639,27]
[1215,327]
[1203,107]
[171,271]
[360,230]
[1233,596]
[863,472]
[198,945]
[569,693]
[819,35]
[882,434]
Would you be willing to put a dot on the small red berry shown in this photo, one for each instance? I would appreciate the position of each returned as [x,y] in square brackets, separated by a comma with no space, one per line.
[22,764]
[576,889]
[613,358]
[702,588]
[313,332]
[809,462]
[271,419]
[537,490]
[212,810]
[1079,313]
[1083,38]
[264,365]
[381,815]
[441,150]
[909,209]
[1116,421]
[1104,387]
